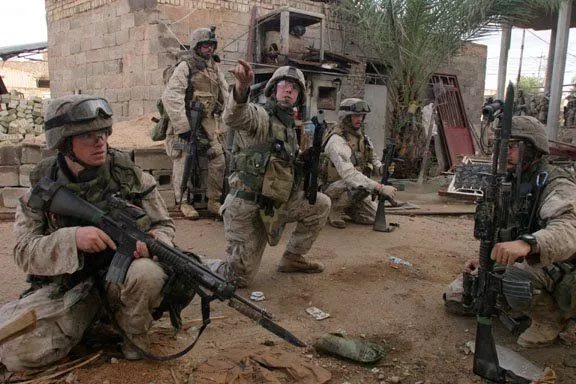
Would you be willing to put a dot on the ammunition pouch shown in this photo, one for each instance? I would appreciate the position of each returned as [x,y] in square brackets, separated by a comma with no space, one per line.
[517,287]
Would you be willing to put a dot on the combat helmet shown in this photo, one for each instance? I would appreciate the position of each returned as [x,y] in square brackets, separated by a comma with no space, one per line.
[203,35]
[352,106]
[530,129]
[74,115]
[290,73]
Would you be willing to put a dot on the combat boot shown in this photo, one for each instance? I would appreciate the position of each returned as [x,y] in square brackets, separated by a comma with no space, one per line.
[189,211]
[540,334]
[336,218]
[142,340]
[292,262]
[213,206]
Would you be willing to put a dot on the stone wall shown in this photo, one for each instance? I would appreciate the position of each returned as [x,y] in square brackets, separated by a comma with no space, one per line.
[16,161]
[20,118]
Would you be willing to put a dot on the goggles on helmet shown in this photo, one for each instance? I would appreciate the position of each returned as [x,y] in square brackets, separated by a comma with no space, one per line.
[83,110]
[357,107]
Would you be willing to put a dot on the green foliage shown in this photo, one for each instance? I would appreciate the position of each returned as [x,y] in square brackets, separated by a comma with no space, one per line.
[415,38]
[531,84]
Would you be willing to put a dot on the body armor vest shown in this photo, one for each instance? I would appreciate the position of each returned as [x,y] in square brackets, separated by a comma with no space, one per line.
[119,177]
[206,84]
[529,197]
[361,158]
[254,163]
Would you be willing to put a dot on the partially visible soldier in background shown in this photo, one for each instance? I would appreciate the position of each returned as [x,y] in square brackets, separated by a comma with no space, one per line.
[197,78]
[348,162]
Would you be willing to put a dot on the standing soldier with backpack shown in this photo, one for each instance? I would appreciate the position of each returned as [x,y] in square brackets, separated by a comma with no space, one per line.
[197,78]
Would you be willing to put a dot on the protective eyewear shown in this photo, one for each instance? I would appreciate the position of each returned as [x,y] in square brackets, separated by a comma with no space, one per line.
[94,136]
[514,143]
[84,110]
[284,84]
[358,107]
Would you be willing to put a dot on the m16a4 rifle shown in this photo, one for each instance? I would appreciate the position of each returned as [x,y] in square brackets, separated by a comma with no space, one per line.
[190,275]
[380,223]
[492,215]
[313,159]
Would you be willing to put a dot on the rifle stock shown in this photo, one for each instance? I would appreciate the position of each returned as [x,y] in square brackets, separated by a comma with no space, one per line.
[50,196]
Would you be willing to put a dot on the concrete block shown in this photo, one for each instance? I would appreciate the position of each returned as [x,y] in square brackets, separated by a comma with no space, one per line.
[10,196]
[168,197]
[31,153]
[24,177]
[163,178]
[10,154]
[152,158]
[9,176]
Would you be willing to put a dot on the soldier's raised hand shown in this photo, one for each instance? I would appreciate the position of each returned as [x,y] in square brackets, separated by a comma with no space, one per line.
[244,75]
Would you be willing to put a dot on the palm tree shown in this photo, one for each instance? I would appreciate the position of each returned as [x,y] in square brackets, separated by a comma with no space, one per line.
[414,38]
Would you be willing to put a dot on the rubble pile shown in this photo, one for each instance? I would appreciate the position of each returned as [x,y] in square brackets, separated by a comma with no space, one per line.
[20,118]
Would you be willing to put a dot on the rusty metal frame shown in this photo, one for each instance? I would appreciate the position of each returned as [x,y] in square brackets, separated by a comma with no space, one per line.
[453,125]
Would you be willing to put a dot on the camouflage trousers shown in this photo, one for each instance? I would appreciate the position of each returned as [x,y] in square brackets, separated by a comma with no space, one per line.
[361,212]
[544,306]
[246,236]
[216,168]
[63,318]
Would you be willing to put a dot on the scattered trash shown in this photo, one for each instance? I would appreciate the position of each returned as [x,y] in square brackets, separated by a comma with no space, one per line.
[316,313]
[257,296]
[397,260]
[352,348]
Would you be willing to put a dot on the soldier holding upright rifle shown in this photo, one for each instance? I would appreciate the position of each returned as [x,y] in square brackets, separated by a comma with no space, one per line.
[348,162]
[526,223]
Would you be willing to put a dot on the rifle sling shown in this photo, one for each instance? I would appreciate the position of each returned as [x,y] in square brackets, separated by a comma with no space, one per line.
[205,307]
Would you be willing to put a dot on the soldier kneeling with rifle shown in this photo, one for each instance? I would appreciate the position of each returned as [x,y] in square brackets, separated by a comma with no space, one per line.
[94,237]
[536,240]
[346,167]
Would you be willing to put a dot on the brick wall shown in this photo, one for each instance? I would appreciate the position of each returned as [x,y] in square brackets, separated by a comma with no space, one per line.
[118,49]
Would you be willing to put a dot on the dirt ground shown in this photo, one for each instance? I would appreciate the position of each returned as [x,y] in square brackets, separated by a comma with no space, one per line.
[399,307]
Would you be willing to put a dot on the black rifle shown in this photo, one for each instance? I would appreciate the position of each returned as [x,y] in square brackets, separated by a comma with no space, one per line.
[195,114]
[313,158]
[492,215]
[48,195]
[380,224]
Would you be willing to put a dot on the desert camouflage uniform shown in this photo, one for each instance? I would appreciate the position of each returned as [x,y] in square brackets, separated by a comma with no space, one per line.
[211,89]
[47,249]
[245,234]
[555,232]
[348,156]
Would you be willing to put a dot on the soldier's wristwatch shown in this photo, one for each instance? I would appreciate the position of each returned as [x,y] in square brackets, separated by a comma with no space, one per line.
[531,240]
